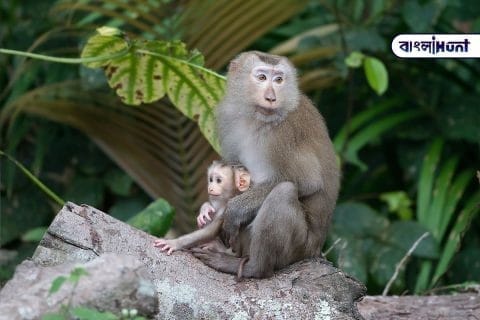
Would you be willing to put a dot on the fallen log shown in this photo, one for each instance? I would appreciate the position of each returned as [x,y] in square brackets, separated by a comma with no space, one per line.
[123,265]
[448,307]
[184,287]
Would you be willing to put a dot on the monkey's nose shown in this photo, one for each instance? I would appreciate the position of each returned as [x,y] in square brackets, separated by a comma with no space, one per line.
[270,98]
[270,95]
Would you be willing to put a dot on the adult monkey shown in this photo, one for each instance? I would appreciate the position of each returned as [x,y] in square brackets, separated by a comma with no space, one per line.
[268,125]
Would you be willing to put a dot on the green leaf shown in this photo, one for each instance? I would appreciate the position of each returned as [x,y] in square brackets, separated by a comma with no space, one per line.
[154,219]
[425,184]
[372,132]
[76,274]
[398,202]
[464,219]
[357,220]
[423,278]
[455,193]
[354,59]
[57,284]
[376,73]
[437,212]
[99,45]
[152,69]
[34,235]
[108,31]
[83,313]
[403,235]
[360,120]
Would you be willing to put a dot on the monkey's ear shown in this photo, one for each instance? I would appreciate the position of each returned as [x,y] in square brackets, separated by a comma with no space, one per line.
[233,66]
[243,182]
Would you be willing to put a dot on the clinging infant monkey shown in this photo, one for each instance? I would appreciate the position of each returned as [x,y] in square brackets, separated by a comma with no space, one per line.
[224,182]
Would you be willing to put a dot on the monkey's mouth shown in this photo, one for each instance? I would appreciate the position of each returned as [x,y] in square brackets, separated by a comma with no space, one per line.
[265,111]
[214,194]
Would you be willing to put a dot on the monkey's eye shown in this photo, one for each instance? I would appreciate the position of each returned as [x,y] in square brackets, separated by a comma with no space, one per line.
[278,80]
[219,180]
[210,179]
[262,77]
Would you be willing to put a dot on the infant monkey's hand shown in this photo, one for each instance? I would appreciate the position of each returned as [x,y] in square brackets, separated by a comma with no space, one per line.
[166,245]
[207,212]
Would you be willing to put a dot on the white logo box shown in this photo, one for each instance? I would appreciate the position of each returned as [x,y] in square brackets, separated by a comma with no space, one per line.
[436,46]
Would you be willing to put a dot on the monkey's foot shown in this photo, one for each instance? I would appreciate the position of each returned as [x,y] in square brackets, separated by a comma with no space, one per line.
[219,261]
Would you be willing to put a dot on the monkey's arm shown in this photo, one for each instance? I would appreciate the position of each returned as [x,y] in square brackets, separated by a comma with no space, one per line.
[194,238]
[242,209]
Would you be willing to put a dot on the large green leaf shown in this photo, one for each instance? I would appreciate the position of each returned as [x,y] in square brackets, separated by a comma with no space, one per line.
[154,219]
[358,220]
[403,234]
[152,69]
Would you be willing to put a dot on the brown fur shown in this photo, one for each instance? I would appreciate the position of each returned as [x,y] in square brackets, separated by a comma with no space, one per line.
[285,216]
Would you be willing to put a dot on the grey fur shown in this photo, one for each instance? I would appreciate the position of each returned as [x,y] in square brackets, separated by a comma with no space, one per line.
[284,217]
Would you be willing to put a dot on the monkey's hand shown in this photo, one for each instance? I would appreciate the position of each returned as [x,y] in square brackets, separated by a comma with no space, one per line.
[242,209]
[206,214]
[166,245]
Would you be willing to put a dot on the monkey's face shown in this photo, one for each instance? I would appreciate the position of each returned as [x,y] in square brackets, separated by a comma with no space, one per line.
[263,86]
[220,182]
[273,90]
[267,82]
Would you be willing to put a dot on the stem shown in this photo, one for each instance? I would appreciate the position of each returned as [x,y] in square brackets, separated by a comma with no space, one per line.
[35,180]
[65,60]
[331,247]
[402,262]
[163,56]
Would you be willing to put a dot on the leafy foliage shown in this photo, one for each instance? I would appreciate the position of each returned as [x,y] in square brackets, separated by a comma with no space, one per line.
[371,245]
[392,189]
[438,197]
[152,69]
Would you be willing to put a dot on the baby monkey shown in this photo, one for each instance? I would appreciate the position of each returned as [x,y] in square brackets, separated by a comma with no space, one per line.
[224,182]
